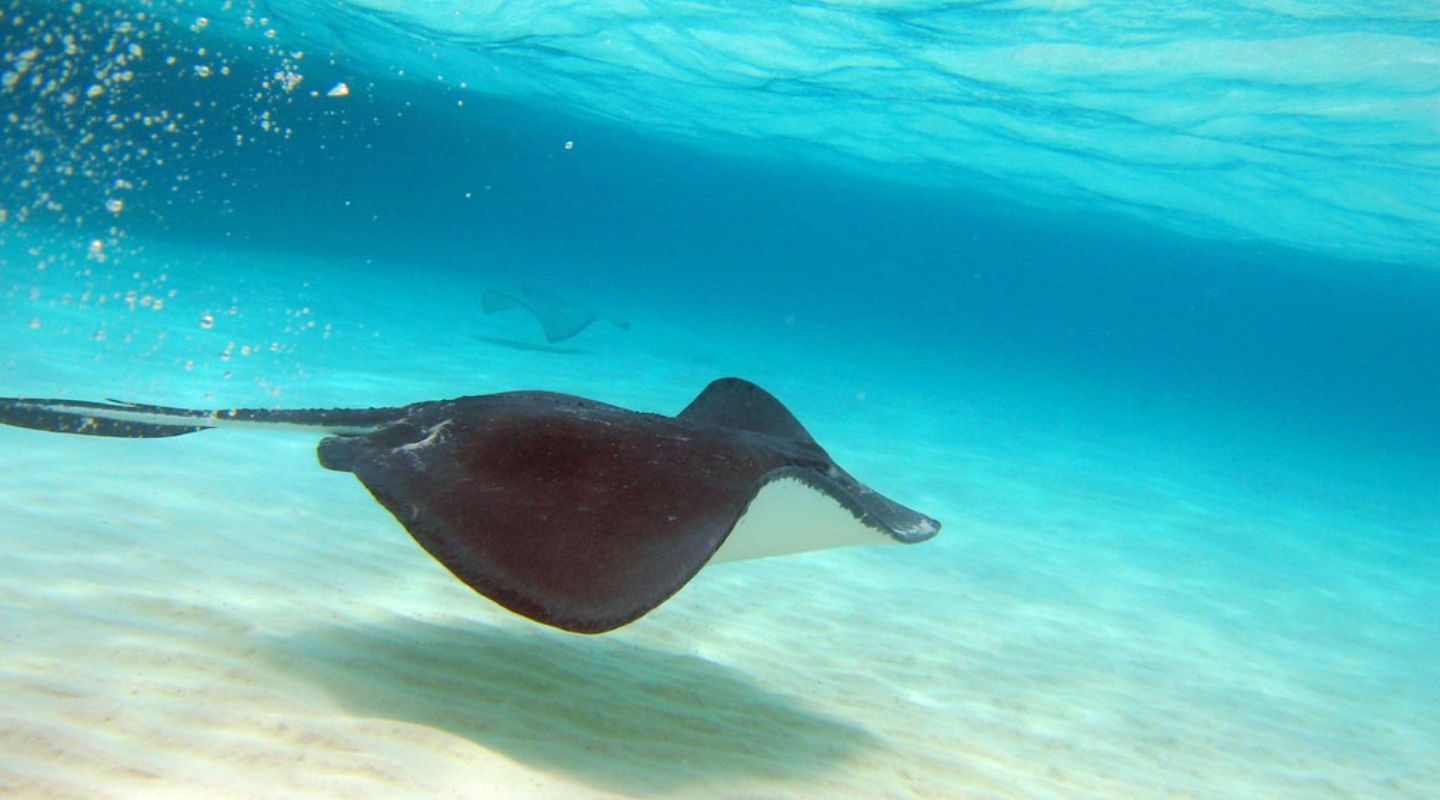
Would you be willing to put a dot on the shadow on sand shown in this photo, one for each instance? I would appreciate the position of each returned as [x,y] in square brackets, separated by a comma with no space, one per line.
[613,714]
[533,347]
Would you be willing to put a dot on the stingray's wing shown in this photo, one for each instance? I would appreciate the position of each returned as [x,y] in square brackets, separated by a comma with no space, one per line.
[741,405]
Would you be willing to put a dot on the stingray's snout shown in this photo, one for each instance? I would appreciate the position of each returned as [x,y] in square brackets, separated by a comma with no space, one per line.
[338,452]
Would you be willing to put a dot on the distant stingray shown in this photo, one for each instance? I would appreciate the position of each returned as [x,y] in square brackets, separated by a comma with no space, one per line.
[574,513]
[559,318]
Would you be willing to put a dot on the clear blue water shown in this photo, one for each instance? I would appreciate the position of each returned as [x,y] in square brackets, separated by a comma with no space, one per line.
[1200,239]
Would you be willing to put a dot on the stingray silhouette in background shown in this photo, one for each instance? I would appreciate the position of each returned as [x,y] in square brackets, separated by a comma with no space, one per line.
[572,512]
[559,318]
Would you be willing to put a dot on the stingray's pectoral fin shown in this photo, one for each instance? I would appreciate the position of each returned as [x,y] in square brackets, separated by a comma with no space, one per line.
[798,510]
[101,419]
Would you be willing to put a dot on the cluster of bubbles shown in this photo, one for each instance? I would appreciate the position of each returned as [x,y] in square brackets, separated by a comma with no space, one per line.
[117,114]
[103,104]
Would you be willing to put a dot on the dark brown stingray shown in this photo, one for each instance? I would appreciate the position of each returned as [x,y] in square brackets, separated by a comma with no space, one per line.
[574,513]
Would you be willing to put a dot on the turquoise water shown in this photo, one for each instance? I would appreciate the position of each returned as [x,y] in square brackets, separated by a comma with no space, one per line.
[1140,300]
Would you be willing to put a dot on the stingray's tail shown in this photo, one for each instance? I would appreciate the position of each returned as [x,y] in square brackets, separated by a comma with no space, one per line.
[137,421]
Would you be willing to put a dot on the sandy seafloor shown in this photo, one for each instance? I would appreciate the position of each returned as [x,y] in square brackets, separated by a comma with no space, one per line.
[1176,609]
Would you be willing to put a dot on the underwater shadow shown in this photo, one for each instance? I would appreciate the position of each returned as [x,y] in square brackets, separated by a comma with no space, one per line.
[532,347]
[615,715]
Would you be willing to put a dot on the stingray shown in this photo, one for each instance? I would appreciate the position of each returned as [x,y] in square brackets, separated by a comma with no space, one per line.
[572,512]
[559,318]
